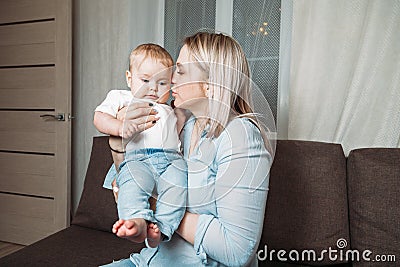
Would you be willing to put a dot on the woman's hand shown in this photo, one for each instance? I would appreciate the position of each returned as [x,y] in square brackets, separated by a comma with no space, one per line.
[136,118]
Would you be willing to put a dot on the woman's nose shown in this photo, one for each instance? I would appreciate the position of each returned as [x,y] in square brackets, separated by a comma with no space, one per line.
[173,80]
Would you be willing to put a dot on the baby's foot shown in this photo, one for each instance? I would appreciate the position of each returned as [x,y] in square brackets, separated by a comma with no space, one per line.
[153,235]
[134,230]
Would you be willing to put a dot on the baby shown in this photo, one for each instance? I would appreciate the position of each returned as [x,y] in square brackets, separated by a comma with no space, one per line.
[152,158]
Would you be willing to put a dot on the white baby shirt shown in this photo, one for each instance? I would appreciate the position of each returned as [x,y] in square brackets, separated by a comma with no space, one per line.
[162,135]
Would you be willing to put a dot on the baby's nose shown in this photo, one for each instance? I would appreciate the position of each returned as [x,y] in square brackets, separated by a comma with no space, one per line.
[153,86]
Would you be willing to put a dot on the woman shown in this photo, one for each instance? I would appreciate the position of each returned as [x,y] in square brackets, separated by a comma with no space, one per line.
[228,163]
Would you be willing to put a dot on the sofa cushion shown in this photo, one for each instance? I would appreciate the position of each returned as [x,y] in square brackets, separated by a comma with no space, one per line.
[374,202]
[74,246]
[307,201]
[97,208]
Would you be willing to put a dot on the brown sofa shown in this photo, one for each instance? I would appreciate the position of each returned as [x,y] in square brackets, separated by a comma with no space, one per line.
[318,200]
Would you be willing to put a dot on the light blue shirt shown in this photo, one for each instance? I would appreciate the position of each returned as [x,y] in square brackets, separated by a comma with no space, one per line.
[228,181]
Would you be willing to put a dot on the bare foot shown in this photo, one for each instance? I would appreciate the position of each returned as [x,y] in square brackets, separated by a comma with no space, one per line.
[153,235]
[134,230]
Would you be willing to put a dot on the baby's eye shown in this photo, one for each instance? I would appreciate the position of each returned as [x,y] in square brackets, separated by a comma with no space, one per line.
[163,83]
[145,80]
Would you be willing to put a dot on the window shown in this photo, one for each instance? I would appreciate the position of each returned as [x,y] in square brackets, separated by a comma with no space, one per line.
[255,24]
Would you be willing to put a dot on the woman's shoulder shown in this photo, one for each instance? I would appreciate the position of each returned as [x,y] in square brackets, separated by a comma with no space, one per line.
[240,130]
[241,137]
[242,125]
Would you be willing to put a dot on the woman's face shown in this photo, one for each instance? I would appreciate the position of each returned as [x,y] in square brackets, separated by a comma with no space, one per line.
[189,82]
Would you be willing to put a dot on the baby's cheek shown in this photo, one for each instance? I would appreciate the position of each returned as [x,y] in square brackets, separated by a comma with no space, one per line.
[163,96]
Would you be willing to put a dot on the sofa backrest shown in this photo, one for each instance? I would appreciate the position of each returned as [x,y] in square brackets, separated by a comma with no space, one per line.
[97,208]
[307,201]
[374,204]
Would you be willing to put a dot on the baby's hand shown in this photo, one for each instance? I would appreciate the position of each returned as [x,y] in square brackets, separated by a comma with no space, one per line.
[128,129]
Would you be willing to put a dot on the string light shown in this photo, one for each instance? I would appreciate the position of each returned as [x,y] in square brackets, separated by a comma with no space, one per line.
[260,29]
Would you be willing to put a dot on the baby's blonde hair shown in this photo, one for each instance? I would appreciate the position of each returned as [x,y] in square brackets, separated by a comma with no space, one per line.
[152,51]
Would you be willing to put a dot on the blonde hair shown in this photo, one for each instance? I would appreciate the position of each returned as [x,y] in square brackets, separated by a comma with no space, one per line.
[152,51]
[223,59]
[230,86]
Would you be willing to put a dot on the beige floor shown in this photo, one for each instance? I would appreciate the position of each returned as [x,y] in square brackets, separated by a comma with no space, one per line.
[8,248]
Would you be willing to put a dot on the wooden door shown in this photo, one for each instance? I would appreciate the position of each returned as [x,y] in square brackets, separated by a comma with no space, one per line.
[35,80]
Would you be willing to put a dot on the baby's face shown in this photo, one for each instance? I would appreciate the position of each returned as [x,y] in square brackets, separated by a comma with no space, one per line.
[151,80]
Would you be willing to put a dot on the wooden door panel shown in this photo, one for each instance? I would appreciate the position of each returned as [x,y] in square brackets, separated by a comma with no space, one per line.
[30,33]
[28,142]
[25,219]
[27,88]
[26,10]
[27,55]
[26,121]
[22,78]
[27,184]
[27,174]
[33,164]
[16,99]
[26,131]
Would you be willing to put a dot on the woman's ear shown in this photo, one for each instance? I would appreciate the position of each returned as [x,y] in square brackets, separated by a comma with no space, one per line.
[128,77]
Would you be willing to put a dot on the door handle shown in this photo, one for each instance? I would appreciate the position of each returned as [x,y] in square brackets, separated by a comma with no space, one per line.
[59,116]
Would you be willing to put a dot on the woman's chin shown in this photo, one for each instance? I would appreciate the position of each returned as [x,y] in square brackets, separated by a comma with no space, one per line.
[178,103]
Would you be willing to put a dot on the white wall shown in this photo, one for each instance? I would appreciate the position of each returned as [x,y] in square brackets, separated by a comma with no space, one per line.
[104,33]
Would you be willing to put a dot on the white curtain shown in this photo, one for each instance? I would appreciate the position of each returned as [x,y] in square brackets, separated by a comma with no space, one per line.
[345,73]
[105,31]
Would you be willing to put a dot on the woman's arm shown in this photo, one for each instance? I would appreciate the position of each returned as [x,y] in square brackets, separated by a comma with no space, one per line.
[188,226]
[241,186]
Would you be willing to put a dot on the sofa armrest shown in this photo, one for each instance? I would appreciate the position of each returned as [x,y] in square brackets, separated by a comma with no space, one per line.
[97,208]
[374,202]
